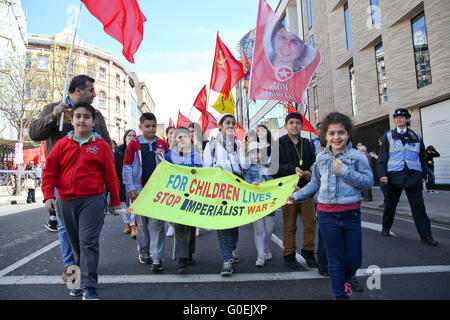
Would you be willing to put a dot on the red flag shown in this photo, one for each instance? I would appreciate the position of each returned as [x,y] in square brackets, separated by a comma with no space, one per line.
[239,132]
[200,101]
[227,71]
[122,20]
[208,123]
[171,124]
[306,124]
[282,64]
[183,121]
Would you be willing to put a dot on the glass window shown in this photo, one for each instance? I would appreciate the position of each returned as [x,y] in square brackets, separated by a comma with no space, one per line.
[28,62]
[375,11]
[102,99]
[117,81]
[102,74]
[308,8]
[90,70]
[381,73]
[421,53]
[117,104]
[43,63]
[351,71]
[311,41]
[347,26]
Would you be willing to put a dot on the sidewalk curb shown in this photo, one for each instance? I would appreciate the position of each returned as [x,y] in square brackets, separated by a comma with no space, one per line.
[404,214]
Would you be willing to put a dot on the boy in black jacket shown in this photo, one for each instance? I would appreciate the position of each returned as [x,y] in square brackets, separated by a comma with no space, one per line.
[296,155]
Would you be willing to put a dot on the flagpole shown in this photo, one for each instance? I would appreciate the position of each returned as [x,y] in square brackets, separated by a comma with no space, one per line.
[61,122]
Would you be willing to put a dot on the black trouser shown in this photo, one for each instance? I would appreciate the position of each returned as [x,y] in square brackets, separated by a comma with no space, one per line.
[383,189]
[31,196]
[415,199]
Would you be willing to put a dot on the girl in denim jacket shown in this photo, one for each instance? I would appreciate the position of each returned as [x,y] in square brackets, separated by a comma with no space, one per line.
[339,175]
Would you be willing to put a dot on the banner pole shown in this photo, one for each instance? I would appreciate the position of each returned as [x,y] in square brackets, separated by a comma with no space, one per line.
[66,84]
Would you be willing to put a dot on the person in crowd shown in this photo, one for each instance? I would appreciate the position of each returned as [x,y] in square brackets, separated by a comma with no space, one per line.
[46,128]
[142,155]
[171,145]
[119,156]
[226,152]
[382,185]
[31,188]
[250,136]
[296,155]
[185,155]
[431,154]
[199,141]
[317,145]
[402,165]
[264,138]
[38,175]
[339,175]
[79,166]
[256,172]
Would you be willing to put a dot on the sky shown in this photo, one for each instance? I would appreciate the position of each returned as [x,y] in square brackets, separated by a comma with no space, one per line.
[176,55]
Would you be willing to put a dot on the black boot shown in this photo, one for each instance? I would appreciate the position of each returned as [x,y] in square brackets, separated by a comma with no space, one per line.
[291,262]
[310,259]
[356,287]
[385,232]
[429,241]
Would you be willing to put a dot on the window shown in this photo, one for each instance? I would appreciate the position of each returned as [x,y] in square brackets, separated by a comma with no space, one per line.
[102,74]
[308,8]
[375,11]
[311,41]
[117,104]
[102,99]
[117,81]
[28,62]
[421,53]
[43,63]
[42,91]
[351,71]
[347,26]
[90,71]
[381,73]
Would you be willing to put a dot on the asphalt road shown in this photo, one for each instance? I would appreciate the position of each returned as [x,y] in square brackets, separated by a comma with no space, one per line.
[31,265]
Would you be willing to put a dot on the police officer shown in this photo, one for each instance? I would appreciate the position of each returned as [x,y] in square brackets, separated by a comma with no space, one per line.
[401,165]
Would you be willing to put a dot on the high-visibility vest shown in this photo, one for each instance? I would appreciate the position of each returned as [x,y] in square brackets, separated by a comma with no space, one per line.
[400,154]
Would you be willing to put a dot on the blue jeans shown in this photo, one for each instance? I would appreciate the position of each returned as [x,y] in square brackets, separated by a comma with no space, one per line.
[342,234]
[228,240]
[66,250]
[430,178]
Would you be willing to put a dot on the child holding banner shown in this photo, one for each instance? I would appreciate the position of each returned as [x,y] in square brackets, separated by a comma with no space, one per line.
[183,154]
[226,152]
[141,158]
[339,175]
[263,227]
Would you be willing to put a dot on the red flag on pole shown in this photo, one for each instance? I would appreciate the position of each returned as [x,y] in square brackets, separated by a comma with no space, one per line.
[239,132]
[183,121]
[200,101]
[208,123]
[122,20]
[282,64]
[306,124]
[171,124]
[227,71]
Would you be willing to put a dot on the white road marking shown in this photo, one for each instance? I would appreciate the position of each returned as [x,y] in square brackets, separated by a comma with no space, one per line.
[212,278]
[374,226]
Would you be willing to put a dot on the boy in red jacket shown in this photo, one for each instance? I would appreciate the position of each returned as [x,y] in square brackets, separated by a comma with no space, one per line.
[79,166]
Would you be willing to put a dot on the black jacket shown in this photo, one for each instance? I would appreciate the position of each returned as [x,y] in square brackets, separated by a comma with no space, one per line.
[406,177]
[119,156]
[288,157]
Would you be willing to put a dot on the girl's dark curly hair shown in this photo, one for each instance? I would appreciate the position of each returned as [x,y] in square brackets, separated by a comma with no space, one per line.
[335,118]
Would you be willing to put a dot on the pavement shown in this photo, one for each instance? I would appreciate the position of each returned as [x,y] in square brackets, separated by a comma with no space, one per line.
[437,205]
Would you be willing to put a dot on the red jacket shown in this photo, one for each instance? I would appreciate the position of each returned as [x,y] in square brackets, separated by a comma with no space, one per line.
[79,172]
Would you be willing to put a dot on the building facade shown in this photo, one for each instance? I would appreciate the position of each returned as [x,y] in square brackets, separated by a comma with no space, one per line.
[377,56]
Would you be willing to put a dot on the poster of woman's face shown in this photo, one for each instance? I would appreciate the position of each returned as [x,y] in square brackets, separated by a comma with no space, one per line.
[285,49]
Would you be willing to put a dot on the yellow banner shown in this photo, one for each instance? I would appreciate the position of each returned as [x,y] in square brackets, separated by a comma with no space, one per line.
[209,198]
[225,106]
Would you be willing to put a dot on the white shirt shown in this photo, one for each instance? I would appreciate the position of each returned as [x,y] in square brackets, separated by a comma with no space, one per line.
[400,131]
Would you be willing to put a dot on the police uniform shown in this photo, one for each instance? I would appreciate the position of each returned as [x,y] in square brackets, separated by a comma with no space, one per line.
[402,159]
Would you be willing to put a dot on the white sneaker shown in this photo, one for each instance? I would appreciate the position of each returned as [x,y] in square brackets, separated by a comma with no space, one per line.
[267,254]
[170,231]
[260,262]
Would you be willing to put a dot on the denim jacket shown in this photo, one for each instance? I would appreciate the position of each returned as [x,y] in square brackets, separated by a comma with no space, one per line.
[343,187]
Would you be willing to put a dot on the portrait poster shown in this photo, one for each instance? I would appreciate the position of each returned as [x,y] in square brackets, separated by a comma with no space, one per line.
[282,65]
